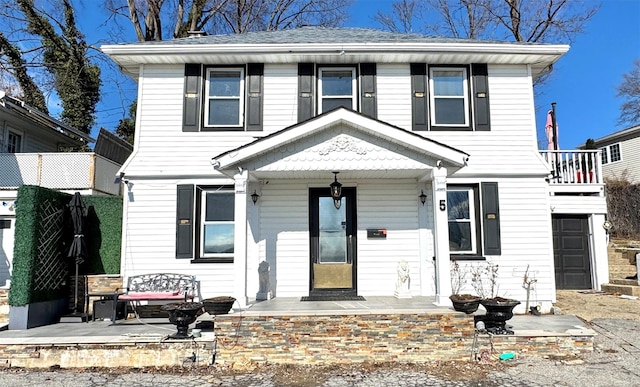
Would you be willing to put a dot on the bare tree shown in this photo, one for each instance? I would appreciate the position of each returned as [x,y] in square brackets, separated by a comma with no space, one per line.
[549,21]
[403,14]
[629,90]
[151,19]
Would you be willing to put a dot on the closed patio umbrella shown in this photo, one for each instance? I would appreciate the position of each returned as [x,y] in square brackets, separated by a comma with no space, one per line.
[78,249]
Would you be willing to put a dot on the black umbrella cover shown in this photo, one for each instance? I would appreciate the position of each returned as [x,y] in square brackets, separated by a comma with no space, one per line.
[78,248]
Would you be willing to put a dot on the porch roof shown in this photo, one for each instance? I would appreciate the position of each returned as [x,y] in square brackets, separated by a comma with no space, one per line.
[341,140]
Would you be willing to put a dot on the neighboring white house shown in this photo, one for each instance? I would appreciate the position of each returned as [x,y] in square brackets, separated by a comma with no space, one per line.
[238,138]
[621,154]
[35,150]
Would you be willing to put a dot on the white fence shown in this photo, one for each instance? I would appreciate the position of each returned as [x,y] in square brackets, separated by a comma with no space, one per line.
[59,171]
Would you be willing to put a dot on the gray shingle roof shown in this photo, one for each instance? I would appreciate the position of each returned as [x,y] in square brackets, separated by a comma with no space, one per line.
[315,35]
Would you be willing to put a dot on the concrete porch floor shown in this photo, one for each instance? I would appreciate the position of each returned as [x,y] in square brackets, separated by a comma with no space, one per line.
[143,342]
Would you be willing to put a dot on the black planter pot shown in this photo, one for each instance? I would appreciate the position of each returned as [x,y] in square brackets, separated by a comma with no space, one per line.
[499,311]
[218,305]
[465,303]
[182,314]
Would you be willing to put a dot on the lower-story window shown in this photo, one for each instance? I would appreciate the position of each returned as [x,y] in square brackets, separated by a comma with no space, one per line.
[473,220]
[216,222]
[461,212]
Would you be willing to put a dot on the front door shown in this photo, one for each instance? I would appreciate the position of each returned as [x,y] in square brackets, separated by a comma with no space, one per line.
[333,243]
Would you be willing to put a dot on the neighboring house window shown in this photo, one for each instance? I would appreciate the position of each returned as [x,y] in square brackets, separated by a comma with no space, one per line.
[337,87]
[205,223]
[473,220]
[14,142]
[224,105]
[611,154]
[223,98]
[217,226]
[449,96]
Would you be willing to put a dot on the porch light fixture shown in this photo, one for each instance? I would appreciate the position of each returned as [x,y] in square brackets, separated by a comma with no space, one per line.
[254,197]
[336,191]
[422,197]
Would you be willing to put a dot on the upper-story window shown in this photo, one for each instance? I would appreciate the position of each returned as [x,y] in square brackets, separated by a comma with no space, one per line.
[224,106]
[222,98]
[14,142]
[611,154]
[449,96]
[337,88]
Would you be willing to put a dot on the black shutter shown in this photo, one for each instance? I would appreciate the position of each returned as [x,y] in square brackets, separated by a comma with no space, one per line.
[305,91]
[490,218]
[368,89]
[419,99]
[192,93]
[255,72]
[184,221]
[479,75]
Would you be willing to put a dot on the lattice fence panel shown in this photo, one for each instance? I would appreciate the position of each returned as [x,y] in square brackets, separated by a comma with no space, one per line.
[51,268]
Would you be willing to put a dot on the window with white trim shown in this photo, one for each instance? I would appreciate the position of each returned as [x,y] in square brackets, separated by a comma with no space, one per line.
[611,153]
[14,142]
[461,212]
[449,97]
[217,223]
[224,97]
[337,87]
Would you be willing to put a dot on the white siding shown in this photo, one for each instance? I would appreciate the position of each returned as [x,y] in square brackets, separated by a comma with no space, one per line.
[280,96]
[163,149]
[526,239]
[150,235]
[394,94]
[511,143]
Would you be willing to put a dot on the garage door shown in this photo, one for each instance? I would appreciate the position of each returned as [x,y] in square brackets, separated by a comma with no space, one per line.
[571,251]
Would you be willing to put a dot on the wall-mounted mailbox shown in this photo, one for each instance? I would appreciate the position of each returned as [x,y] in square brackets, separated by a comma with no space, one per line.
[378,233]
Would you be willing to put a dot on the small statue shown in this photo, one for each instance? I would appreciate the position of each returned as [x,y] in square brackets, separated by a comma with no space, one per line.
[264,291]
[404,280]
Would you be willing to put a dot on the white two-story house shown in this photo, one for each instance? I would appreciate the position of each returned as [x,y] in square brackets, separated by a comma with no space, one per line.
[335,154]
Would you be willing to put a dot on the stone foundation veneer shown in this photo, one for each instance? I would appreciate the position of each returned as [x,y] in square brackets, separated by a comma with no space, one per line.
[343,339]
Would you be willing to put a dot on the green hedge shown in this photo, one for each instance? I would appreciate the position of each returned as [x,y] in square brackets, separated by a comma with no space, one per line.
[103,234]
[103,231]
[25,252]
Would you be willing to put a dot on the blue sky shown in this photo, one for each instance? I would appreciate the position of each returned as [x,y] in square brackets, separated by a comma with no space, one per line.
[584,80]
[583,83]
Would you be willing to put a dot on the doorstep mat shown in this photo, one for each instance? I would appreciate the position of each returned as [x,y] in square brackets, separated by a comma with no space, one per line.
[333,298]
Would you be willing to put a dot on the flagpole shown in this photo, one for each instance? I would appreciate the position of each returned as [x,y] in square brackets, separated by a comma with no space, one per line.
[555,126]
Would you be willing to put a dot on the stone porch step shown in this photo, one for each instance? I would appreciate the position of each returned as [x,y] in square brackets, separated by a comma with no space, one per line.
[631,290]
[624,282]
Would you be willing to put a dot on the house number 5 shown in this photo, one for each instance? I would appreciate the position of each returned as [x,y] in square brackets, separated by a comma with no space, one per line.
[443,206]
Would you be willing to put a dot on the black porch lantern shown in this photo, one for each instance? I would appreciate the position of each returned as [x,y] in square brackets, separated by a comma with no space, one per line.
[336,191]
[254,197]
[422,197]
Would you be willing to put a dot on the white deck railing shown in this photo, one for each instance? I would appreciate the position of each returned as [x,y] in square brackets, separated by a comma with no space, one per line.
[60,171]
[574,167]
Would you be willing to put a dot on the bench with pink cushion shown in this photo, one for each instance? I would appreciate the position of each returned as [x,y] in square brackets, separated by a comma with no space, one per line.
[156,287]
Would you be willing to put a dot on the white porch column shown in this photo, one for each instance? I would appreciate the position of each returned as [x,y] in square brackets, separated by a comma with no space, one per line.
[240,238]
[441,238]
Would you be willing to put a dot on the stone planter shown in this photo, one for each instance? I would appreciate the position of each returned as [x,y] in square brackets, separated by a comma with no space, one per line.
[499,311]
[466,303]
[218,305]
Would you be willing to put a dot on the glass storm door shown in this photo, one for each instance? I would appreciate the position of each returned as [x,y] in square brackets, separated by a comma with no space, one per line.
[333,242]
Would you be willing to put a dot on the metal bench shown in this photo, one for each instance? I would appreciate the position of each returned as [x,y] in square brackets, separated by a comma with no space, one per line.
[156,287]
